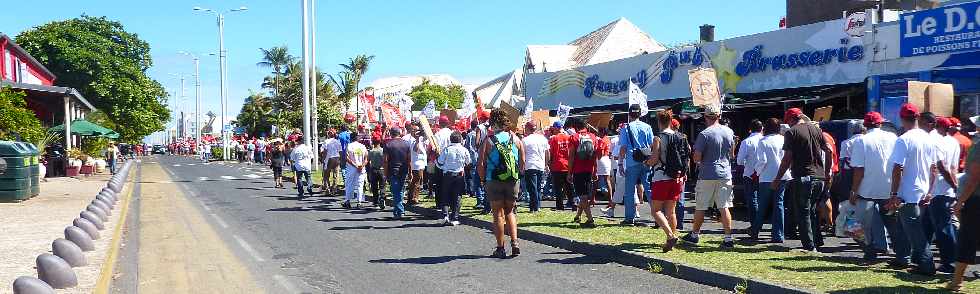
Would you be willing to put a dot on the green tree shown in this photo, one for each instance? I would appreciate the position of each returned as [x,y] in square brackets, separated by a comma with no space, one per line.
[16,120]
[107,64]
[278,59]
[348,81]
[443,95]
[254,114]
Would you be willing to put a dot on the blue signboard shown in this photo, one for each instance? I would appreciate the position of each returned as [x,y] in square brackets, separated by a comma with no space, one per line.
[945,29]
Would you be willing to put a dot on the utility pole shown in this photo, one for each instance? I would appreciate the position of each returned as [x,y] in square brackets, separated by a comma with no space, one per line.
[306,74]
[222,72]
[313,85]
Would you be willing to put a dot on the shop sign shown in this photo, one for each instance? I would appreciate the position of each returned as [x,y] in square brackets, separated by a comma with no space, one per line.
[611,88]
[941,30]
[692,56]
[754,61]
[854,24]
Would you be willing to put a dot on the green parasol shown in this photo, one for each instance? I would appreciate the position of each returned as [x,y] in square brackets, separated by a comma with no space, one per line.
[83,127]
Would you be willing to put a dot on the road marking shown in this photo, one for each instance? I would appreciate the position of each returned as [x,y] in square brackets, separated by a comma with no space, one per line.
[248,248]
[285,283]
[191,164]
[176,165]
[219,220]
[202,178]
[253,176]
[204,205]
[228,177]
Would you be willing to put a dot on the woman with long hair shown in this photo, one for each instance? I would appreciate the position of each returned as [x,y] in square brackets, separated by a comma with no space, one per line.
[501,162]
[277,157]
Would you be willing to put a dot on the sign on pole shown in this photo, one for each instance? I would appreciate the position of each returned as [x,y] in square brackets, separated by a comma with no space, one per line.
[823,113]
[704,86]
[636,96]
[932,97]
[599,119]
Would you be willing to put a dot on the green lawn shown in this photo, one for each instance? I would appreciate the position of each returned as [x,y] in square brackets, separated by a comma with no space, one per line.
[759,262]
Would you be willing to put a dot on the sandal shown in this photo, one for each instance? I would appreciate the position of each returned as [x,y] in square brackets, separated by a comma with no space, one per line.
[514,250]
[499,253]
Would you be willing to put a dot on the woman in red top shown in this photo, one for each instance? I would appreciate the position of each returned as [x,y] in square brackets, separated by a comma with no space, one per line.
[582,167]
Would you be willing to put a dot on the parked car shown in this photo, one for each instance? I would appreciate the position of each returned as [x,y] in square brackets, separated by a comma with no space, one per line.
[159,149]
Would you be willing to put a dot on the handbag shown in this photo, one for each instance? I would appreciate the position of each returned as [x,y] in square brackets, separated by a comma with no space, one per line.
[637,154]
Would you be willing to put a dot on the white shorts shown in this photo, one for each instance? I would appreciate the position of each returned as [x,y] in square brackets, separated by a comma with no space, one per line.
[713,192]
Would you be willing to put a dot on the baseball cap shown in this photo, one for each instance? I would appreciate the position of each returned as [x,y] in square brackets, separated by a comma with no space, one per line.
[483,115]
[944,122]
[955,122]
[556,125]
[443,120]
[908,110]
[635,108]
[873,118]
[712,109]
[792,113]
[530,125]
[674,123]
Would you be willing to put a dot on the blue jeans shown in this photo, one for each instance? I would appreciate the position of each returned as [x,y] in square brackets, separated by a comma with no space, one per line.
[770,199]
[941,228]
[679,210]
[112,165]
[397,186]
[478,190]
[637,174]
[808,192]
[910,217]
[300,177]
[749,188]
[532,179]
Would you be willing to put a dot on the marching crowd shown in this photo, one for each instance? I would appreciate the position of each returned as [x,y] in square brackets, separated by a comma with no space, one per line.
[904,190]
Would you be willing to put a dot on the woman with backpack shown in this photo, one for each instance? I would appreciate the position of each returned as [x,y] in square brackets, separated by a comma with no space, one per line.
[501,160]
[669,162]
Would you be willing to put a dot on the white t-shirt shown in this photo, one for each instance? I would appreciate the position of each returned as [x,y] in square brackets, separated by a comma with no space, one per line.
[614,152]
[419,156]
[871,152]
[768,154]
[916,153]
[949,153]
[535,149]
[356,153]
[746,153]
[331,147]
[302,157]
[442,138]
[845,150]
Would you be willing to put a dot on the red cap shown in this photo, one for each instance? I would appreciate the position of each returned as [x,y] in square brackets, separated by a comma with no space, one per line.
[944,122]
[873,118]
[955,122]
[908,110]
[376,138]
[530,126]
[443,120]
[792,113]
[483,115]
[674,123]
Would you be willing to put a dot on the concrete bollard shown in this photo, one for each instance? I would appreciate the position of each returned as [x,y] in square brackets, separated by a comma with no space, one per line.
[98,212]
[31,285]
[102,205]
[71,253]
[89,216]
[108,195]
[87,226]
[55,271]
[80,238]
[102,199]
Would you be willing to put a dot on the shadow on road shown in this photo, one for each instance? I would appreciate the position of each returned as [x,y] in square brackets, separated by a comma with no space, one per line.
[430,259]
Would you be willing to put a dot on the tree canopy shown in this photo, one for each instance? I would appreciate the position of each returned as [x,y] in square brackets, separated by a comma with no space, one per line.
[16,119]
[443,95]
[107,65]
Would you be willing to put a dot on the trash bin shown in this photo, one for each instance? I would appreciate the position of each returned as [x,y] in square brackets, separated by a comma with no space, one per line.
[15,182]
[35,168]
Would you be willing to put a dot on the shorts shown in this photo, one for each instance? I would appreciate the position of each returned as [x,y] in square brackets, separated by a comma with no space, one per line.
[716,192]
[666,190]
[276,170]
[333,163]
[582,183]
[968,236]
[502,190]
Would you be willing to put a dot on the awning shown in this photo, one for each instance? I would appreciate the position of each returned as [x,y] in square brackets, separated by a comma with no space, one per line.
[83,127]
[48,92]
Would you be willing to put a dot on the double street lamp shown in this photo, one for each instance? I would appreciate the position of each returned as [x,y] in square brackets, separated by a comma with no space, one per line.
[223,72]
[197,96]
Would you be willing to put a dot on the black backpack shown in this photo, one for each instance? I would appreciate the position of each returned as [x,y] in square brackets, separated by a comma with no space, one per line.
[674,155]
[586,148]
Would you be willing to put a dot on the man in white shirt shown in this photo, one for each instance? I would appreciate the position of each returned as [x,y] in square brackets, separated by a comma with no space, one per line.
[419,160]
[939,224]
[913,158]
[746,158]
[302,157]
[536,157]
[868,158]
[356,174]
[330,152]
[441,140]
[452,161]
[768,153]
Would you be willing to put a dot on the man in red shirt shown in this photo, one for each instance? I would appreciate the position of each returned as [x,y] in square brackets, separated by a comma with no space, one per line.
[826,208]
[584,149]
[965,143]
[558,149]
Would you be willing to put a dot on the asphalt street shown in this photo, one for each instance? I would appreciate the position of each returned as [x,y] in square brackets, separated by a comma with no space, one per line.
[314,245]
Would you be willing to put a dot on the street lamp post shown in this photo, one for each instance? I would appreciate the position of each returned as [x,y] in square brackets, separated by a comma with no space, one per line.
[314,124]
[222,63]
[197,97]
[306,74]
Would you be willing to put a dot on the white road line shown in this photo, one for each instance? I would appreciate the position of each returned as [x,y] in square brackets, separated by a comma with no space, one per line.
[191,164]
[219,220]
[176,165]
[253,176]
[248,248]
[228,177]
[205,206]
[285,283]
[202,178]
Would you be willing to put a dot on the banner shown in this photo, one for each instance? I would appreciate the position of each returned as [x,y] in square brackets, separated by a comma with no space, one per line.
[529,107]
[468,108]
[636,96]
[704,86]
[430,109]
[563,112]
[945,29]
[932,97]
[392,115]
[366,99]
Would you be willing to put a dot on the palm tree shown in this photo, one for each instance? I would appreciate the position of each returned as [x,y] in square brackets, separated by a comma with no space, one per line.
[357,66]
[347,82]
[276,58]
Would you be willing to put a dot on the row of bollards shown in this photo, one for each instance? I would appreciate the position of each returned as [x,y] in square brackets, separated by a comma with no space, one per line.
[54,270]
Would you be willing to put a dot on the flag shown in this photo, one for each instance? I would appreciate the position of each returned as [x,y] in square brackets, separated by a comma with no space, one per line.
[529,107]
[563,112]
[430,109]
[468,107]
[636,96]
[392,116]
[479,104]
[367,105]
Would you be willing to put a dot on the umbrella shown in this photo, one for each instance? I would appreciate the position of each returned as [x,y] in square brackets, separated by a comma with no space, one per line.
[83,127]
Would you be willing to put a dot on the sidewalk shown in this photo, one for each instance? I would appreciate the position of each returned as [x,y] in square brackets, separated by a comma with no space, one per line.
[30,226]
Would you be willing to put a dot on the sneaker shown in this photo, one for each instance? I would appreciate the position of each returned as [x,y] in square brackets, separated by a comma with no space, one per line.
[446,220]
[454,223]
[346,204]
[898,264]
[609,212]
[729,244]
[514,250]
[627,223]
[917,271]
[669,245]
[588,224]
[946,269]
[690,238]
[499,253]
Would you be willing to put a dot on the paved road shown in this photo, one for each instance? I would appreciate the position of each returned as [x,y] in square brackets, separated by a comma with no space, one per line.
[313,245]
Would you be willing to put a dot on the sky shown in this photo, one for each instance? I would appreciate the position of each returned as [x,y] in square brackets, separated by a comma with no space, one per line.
[474,41]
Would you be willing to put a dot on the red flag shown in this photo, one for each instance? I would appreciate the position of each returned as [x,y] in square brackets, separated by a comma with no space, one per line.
[367,105]
[392,115]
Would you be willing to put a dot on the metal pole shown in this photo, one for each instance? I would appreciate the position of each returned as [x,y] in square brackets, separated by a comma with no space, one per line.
[221,73]
[313,83]
[182,127]
[197,100]
[306,76]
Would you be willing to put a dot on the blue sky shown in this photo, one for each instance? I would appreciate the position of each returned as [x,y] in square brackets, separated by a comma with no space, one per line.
[473,41]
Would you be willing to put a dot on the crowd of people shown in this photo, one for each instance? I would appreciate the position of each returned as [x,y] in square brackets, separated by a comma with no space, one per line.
[905,189]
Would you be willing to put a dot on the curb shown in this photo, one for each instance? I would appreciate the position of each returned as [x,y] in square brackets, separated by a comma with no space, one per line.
[684,272]
[105,276]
